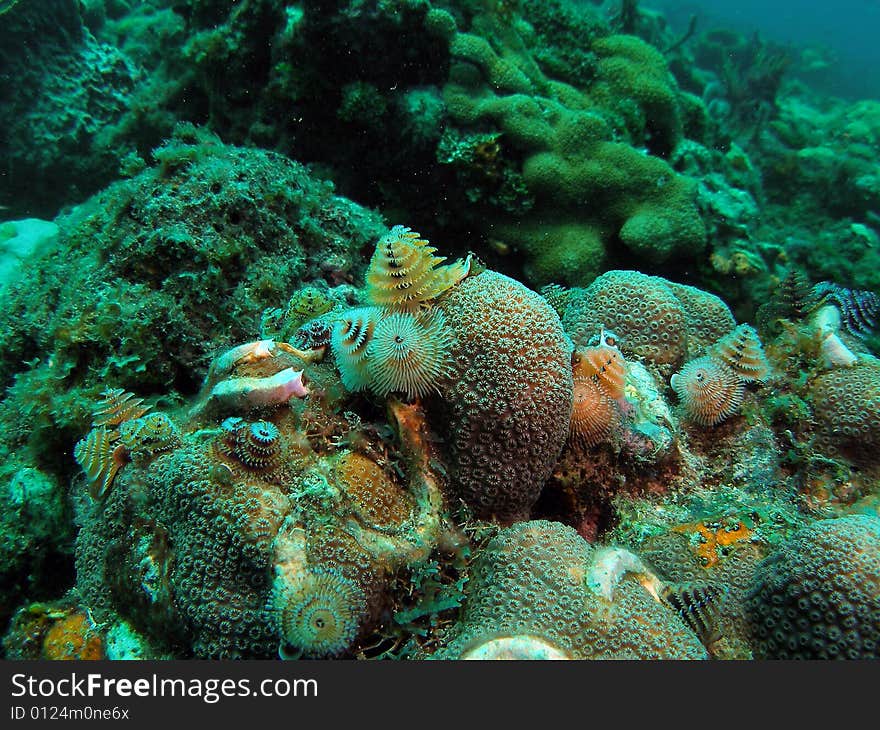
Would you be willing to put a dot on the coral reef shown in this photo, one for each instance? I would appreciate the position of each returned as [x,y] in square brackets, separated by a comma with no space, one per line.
[531,579]
[657,320]
[249,538]
[245,418]
[721,561]
[818,595]
[62,96]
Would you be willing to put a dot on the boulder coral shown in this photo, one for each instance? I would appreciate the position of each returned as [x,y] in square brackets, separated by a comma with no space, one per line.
[818,595]
[506,404]
[846,408]
[532,580]
[657,320]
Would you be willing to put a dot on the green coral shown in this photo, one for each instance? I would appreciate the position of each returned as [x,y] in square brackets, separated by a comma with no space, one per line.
[578,158]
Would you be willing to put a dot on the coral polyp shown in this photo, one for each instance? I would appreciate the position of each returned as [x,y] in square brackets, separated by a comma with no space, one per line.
[710,391]
[318,613]
[408,353]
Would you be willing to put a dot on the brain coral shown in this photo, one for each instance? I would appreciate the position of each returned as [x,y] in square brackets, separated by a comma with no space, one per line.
[507,403]
[846,407]
[656,319]
[531,580]
[818,596]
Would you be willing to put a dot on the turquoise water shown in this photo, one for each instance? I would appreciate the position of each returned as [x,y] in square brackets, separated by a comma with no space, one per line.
[439,329]
[843,30]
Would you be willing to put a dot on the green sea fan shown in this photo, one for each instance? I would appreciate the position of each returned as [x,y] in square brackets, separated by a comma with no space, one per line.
[409,353]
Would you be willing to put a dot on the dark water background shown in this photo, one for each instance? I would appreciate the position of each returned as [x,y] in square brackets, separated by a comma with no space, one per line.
[848,30]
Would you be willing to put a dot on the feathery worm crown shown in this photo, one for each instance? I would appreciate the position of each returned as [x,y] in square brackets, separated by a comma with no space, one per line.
[404,273]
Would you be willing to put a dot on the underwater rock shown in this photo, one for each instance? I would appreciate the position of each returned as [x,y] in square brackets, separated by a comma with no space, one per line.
[21,240]
[63,91]
[157,274]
